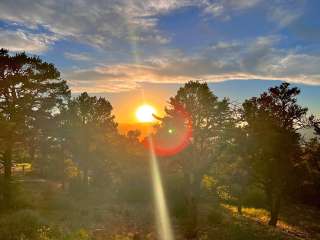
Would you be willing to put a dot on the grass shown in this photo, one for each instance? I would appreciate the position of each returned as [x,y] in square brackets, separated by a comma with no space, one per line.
[86,218]
[295,228]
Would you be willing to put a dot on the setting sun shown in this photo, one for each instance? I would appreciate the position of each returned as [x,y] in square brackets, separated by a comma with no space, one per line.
[145,113]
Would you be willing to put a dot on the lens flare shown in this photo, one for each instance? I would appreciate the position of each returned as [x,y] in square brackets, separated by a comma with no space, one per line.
[175,134]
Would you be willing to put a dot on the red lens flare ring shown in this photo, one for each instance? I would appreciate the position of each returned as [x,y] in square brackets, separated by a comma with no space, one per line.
[181,140]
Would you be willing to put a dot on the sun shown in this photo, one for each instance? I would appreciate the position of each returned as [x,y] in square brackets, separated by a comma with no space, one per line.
[145,113]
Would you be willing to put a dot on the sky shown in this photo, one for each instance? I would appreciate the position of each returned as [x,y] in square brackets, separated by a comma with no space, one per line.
[131,51]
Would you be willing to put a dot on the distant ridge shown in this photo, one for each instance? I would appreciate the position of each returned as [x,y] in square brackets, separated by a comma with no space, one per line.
[144,128]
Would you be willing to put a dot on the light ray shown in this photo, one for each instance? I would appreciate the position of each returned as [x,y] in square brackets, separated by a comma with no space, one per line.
[163,220]
[162,217]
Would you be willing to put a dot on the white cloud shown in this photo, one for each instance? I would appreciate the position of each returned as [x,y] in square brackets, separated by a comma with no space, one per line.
[223,9]
[215,9]
[103,22]
[24,41]
[251,59]
[97,22]
[243,4]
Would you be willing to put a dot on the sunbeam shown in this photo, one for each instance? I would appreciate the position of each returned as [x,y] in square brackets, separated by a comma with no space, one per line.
[163,221]
[162,217]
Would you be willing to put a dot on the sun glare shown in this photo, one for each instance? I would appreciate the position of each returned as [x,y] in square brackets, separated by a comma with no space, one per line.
[145,113]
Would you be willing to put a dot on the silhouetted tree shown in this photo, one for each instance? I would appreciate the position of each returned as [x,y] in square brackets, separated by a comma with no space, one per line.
[196,117]
[30,91]
[90,128]
[232,168]
[315,123]
[310,184]
[272,124]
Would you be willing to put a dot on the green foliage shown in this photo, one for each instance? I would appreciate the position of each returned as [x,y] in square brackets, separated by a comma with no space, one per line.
[176,196]
[215,216]
[272,121]
[237,232]
[23,224]
[60,201]
[29,225]
[31,90]
[81,234]
[19,198]
[90,132]
[137,190]
[254,197]
[76,188]
[197,108]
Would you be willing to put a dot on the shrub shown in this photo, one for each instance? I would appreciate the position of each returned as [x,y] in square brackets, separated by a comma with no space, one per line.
[23,224]
[76,188]
[19,199]
[78,235]
[237,232]
[135,190]
[254,197]
[215,216]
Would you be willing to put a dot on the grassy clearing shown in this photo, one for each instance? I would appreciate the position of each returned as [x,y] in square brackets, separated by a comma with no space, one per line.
[57,216]
[302,226]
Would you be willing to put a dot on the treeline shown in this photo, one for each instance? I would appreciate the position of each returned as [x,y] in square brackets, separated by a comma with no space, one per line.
[209,150]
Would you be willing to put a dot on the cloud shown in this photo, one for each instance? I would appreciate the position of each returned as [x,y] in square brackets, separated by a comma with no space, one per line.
[96,22]
[20,40]
[131,23]
[251,59]
[243,4]
[223,9]
[77,56]
[103,23]
[285,13]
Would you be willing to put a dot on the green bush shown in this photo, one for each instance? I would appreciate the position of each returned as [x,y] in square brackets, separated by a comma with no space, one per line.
[137,190]
[78,235]
[77,188]
[254,197]
[23,224]
[215,216]
[176,197]
[60,201]
[18,198]
[237,232]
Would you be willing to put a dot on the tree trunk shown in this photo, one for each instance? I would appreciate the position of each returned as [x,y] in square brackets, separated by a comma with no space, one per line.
[192,219]
[240,200]
[7,192]
[193,191]
[239,208]
[86,178]
[274,210]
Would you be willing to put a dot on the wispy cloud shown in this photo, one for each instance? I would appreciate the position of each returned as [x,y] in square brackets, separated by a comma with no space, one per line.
[223,9]
[253,59]
[78,56]
[285,13]
[20,40]
[131,25]
[95,22]
[104,22]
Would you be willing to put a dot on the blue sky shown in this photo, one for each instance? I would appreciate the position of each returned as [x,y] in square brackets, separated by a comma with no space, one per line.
[117,48]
